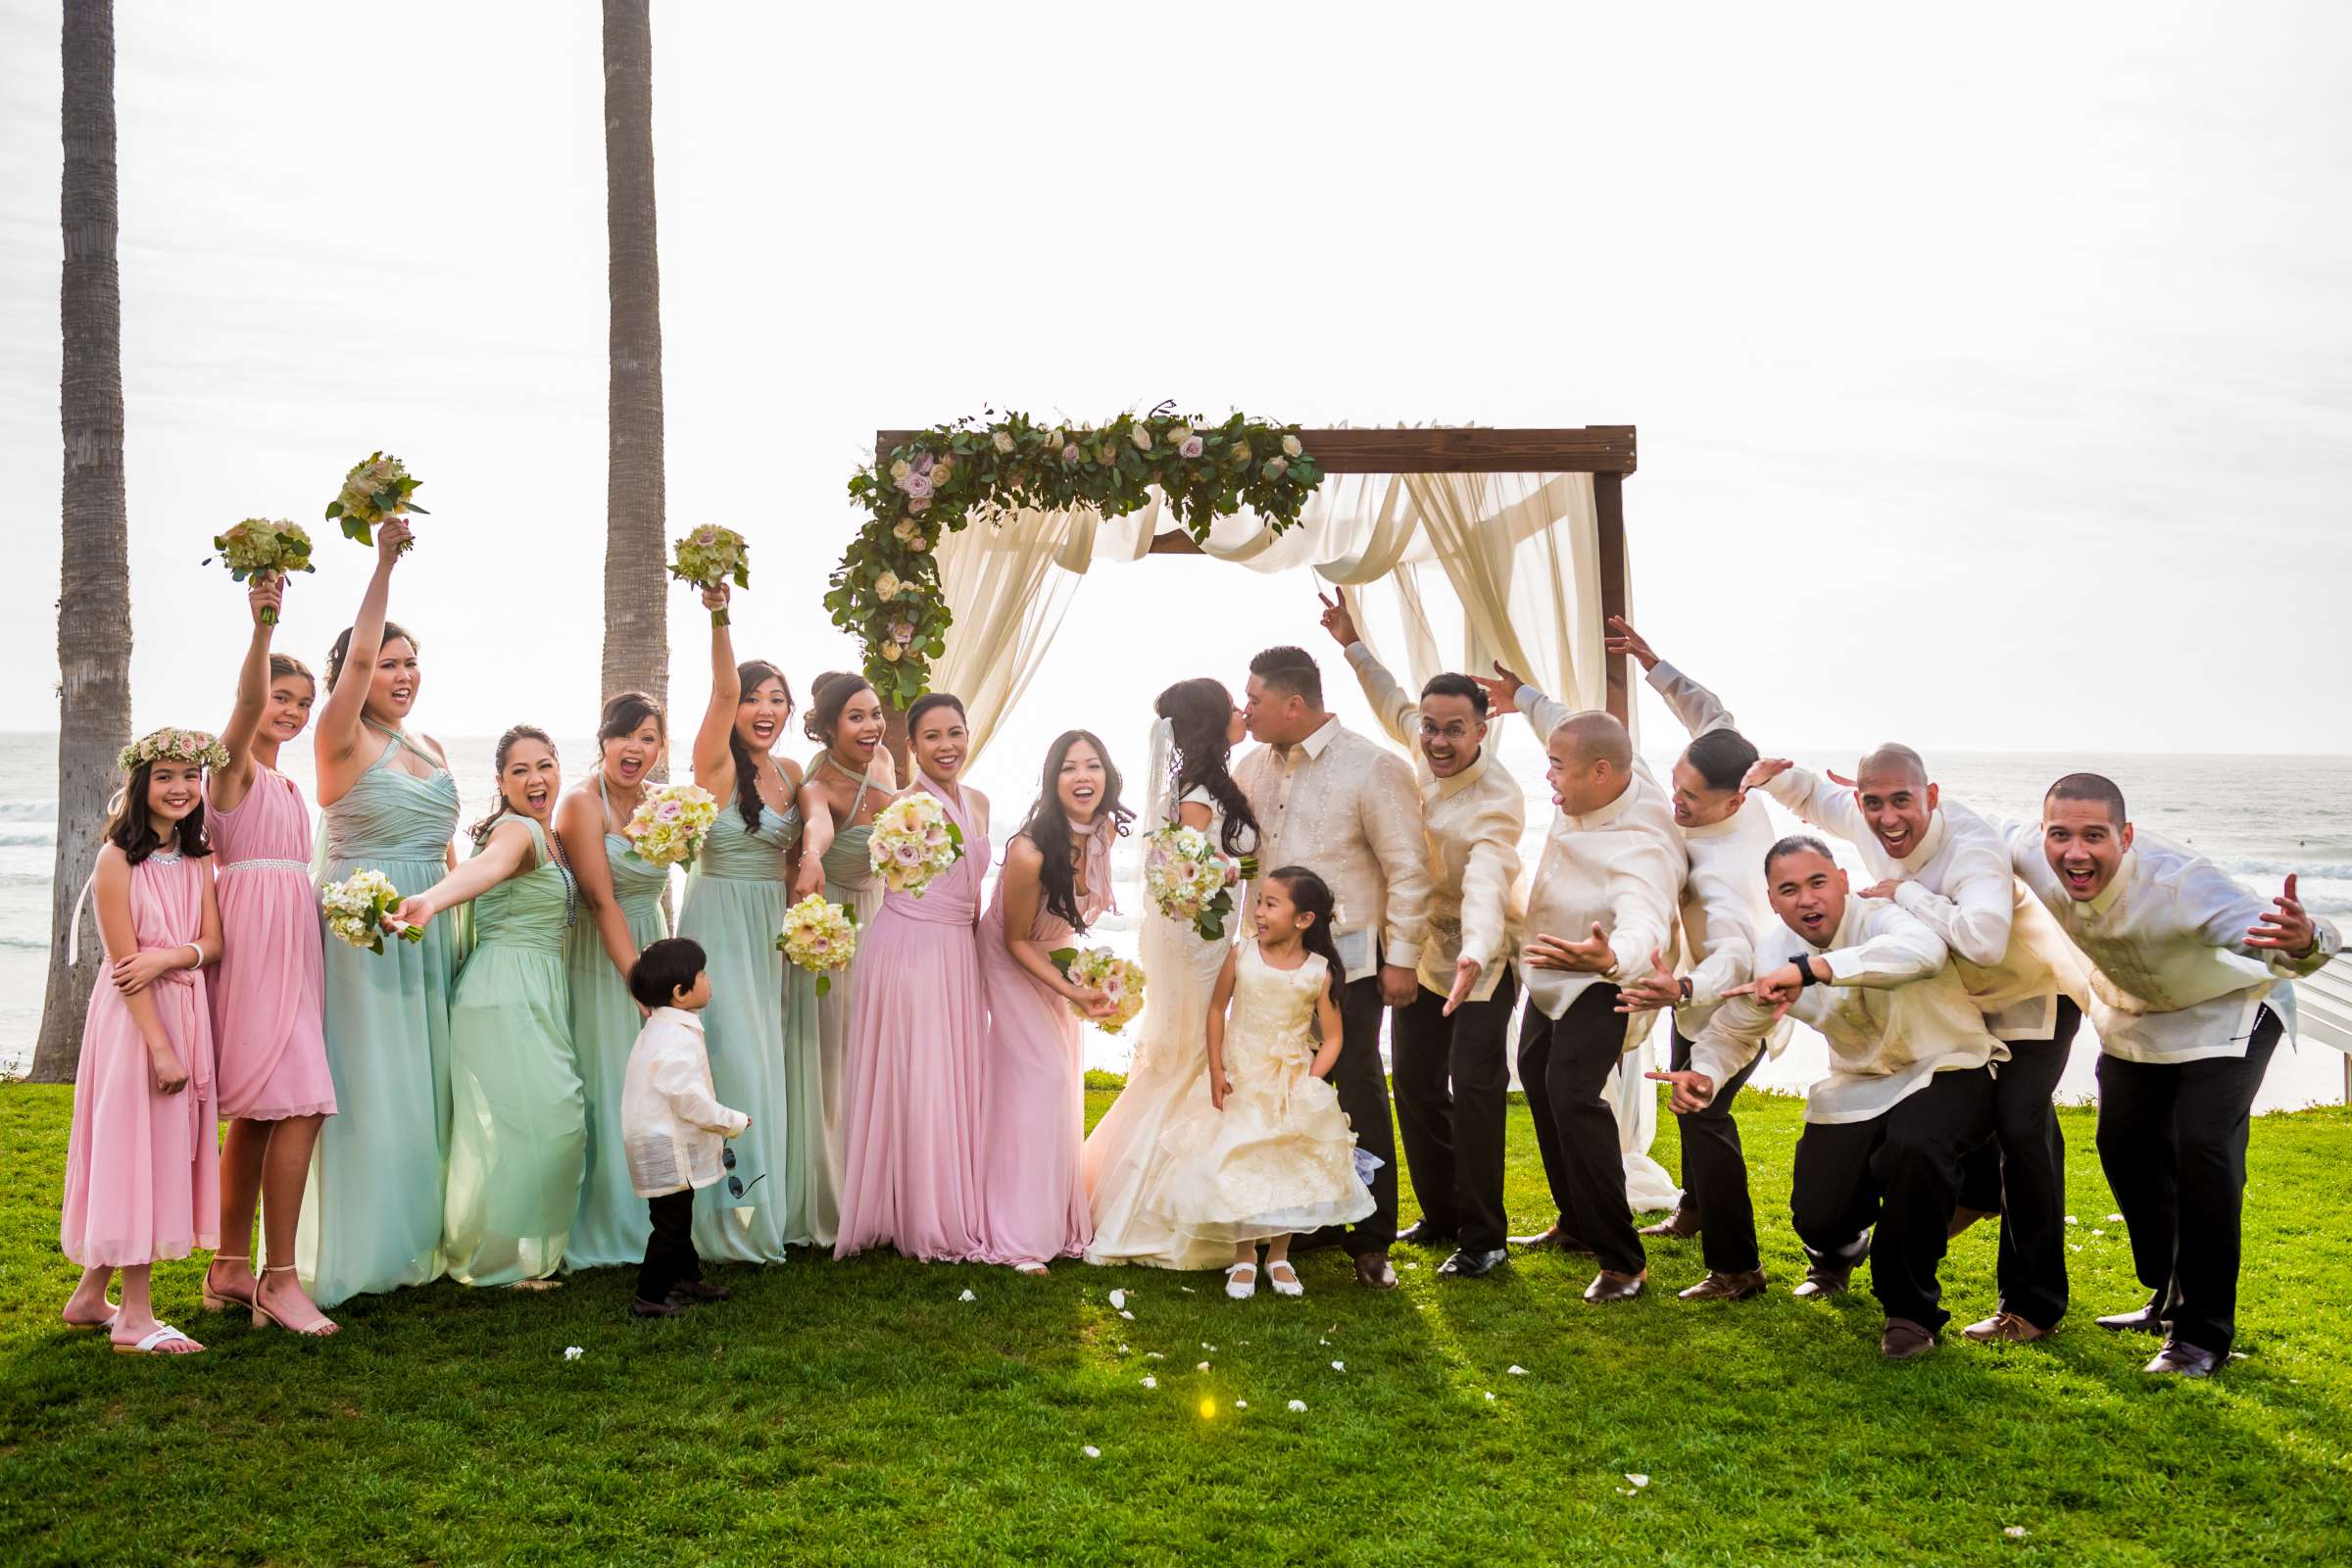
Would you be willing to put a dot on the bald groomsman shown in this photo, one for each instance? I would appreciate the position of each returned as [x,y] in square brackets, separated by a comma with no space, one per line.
[1949,868]
[1448,1048]
[1723,908]
[1907,1095]
[1602,902]
[2187,997]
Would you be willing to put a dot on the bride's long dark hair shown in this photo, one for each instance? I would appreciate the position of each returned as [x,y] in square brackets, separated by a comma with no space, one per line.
[1049,826]
[1200,712]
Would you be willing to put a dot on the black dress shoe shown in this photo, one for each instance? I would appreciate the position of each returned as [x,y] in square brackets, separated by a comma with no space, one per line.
[2183,1360]
[665,1308]
[2148,1319]
[1422,1233]
[1551,1239]
[1372,1270]
[699,1291]
[1469,1265]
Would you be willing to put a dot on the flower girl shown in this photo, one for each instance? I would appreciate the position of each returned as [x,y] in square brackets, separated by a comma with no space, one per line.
[1271,1153]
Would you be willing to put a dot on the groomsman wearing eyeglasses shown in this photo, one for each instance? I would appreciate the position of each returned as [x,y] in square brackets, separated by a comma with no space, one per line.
[2189,997]
[1449,1047]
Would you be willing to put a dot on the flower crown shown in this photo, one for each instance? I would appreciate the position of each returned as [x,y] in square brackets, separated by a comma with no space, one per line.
[176,746]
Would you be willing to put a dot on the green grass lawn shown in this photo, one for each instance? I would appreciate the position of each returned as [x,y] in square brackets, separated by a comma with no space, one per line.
[862,1412]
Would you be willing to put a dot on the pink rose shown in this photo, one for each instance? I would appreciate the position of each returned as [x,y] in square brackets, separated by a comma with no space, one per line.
[919,504]
[901,631]
[1191,448]
[918,485]
[909,853]
[1069,453]
[668,811]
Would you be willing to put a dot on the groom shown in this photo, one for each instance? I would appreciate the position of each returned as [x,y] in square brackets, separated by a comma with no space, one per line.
[1346,809]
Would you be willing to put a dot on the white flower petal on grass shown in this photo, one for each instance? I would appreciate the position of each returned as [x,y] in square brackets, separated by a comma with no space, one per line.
[1091,1451]
[1202,1367]
[1129,1316]
[1639,1480]
[1339,1366]
[2071,1220]
[1489,1396]
[2098,1233]
[572,1353]
[1187,1290]
[2015,1531]
[967,1295]
[2115,1219]
[1298,1407]
[1118,1299]
[1150,1383]
[2073,1247]
[1241,1405]
[1516,1370]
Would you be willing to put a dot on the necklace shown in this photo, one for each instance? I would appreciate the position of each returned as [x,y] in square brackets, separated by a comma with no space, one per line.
[571,884]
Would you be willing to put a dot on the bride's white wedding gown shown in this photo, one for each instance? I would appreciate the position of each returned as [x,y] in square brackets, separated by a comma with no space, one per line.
[1169,1070]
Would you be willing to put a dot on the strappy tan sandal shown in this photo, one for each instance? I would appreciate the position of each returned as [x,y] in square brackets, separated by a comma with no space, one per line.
[262,1317]
[213,1300]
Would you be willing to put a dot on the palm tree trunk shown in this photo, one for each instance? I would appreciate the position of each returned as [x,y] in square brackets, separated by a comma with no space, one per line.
[636,600]
[93,607]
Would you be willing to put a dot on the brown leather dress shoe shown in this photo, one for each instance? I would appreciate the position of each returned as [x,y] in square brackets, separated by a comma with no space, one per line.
[1550,1239]
[665,1308]
[2183,1360]
[1610,1286]
[1820,1282]
[1727,1287]
[2004,1327]
[699,1291]
[1963,1219]
[1682,1225]
[1905,1341]
[1373,1272]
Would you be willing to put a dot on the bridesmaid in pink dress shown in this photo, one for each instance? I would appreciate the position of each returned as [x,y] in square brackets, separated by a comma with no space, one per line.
[269,994]
[1056,882]
[911,1169]
[142,1172]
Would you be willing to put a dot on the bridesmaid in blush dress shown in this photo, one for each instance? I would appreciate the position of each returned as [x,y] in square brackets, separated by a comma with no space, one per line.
[910,1176]
[1056,881]
[269,994]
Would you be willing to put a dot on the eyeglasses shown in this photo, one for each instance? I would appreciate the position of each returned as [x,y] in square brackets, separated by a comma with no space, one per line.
[736,1184]
[1431,730]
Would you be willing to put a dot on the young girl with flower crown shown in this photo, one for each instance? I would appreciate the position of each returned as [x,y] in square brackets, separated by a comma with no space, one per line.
[1271,1153]
[142,1169]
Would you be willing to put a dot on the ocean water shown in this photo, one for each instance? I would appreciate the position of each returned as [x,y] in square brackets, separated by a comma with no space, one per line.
[2259,817]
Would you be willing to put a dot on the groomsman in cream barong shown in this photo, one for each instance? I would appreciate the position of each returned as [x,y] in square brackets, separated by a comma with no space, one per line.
[1448,1048]
[2187,994]
[1602,902]
[1345,807]
[1908,1093]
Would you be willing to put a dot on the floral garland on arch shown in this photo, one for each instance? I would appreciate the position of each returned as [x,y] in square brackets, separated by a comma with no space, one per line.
[886,590]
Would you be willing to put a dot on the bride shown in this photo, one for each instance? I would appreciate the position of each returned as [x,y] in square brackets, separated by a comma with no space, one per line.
[1198,727]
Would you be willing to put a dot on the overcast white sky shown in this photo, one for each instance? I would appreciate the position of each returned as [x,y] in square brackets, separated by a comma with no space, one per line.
[1993,368]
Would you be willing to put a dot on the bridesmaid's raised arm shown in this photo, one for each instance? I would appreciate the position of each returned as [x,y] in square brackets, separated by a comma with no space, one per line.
[339,727]
[266,591]
[713,762]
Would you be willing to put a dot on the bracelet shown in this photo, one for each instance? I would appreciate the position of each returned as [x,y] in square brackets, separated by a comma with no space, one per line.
[198,950]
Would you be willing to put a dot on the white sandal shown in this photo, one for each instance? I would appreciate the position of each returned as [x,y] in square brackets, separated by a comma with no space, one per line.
[1283,1287]
[1240,1289]
[160,1335]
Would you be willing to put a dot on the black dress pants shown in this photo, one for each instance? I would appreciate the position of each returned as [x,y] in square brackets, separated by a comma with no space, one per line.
[1715,1172]
[2019,1174]
[670,1260]
[2173,1141]
[1363,1087]
[1564,1065]
[1453,1086]
[1900,1172]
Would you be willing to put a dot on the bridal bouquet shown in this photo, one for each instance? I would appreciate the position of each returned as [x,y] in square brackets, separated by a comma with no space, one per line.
[820,937]
[1190,881]
[374,490]
[1099,969]
[258,545]
[669,824]
[912,841]
[708,557]
[356,907]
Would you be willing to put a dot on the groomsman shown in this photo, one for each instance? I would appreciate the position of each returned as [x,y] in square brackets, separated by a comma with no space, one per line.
[1948,867]
[1335,802]
[1724,909]
[1602,906]
[2188,999]
[1907,1095]
[1449,1046]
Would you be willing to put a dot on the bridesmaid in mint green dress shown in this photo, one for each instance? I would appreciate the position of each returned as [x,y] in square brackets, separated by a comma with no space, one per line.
[757,1025]
[620,914]
[373,1217]
[518,1129]
[847,785]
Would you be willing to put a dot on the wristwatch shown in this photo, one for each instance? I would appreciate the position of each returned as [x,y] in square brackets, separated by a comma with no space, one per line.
[1805,970]
[1684,985]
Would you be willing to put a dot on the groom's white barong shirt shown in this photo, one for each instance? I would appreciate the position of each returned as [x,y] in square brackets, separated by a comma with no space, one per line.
[1471,823]
[2172,978]
[1345,807]
[1894,1012]
[1620,868]
[1958,882]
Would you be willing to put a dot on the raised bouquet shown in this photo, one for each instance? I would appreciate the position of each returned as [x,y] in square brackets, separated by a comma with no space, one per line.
[708,557]
[258,545]
[375,489]
[356,907]
[1119,979]
[1190,881]
[669,824]
[913,841]
[820,937]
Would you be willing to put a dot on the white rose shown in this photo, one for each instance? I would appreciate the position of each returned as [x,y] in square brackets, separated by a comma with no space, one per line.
[891,652]
[899,469]
[1291,447]
[1142,437]
[1003,441]
[1241,453]
[1276,467]
[887,586]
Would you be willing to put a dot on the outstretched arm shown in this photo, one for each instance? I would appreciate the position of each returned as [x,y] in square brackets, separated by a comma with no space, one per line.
[508,851]
[339,728]
[713,762]
[264,591]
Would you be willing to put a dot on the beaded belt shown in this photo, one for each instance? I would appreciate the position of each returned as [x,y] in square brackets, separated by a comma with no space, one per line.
[304,866]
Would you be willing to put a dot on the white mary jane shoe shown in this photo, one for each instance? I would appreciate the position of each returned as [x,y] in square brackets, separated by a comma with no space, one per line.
[1238,1287]
[1282,1286]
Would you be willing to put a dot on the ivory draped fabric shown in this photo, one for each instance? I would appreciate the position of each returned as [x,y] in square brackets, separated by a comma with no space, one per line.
[1520,551]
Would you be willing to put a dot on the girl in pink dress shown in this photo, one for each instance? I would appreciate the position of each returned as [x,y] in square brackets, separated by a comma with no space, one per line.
[142,1172]
[1056,882]
[269,995]
[910,1176]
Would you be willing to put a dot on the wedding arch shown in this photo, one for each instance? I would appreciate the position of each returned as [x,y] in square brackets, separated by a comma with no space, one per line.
[1525,528]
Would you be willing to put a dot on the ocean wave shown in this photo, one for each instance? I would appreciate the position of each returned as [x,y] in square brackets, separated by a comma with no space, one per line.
[28,810]
[27,840]
[2317,870]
